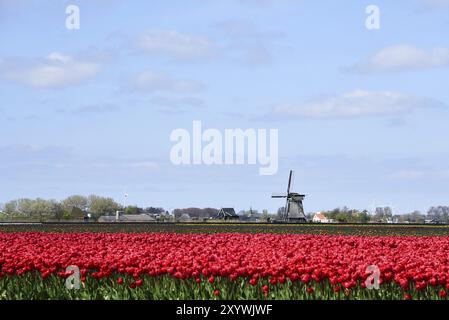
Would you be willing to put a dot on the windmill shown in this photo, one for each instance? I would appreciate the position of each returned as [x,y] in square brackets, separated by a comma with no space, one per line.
[294,210]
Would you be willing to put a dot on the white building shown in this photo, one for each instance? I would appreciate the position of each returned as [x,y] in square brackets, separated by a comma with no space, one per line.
[320,218]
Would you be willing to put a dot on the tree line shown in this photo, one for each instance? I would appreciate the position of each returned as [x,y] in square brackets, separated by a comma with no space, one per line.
[77,207]
[438,214]
[72,207]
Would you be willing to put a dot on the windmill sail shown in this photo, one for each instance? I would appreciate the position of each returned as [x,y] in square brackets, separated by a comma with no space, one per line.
[289,181]
[279,195]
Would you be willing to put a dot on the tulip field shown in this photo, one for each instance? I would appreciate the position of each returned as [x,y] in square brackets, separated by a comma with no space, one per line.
[114,264]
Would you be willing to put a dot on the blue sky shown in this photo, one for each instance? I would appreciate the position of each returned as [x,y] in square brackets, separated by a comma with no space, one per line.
[362,114]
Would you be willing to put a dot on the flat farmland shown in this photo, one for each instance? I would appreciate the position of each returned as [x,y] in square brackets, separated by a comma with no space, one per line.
[323,229]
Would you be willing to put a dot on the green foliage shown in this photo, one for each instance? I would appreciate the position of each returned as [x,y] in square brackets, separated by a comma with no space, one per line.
[346,215]
[99,206]
[76,213]
[132,210]
[75,201]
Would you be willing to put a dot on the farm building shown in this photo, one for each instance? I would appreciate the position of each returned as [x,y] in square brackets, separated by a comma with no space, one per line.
[320,218]
[227,214]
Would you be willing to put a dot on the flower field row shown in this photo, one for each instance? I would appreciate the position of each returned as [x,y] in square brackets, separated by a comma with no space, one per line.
[221,266]
[307,228]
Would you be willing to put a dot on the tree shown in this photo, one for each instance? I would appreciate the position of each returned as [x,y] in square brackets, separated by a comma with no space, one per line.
[342,217]
[280,213]
[439,213]
[59,211]
[42,209]
[364,216]
[154,210]
[388,212]
[383,214]
[99,206]
[210,212]
[75,201]
[10,208]
[417,217]
[30,209]
[265,215]
[24,208]
[133,210]
[75,213]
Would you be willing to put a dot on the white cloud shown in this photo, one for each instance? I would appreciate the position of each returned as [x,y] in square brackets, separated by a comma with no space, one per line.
[54,71]
[148,82]
[237,39]
[176,45]
[403,57]
[356,103]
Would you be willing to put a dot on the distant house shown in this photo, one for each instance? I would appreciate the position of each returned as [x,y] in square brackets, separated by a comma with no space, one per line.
[320,218]
[227,214]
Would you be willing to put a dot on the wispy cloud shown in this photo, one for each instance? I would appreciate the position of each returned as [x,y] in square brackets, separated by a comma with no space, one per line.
[356,104]
[91,109]
[175,103]
[250,54]
[402,57]
[243,28]
[35,156]
[56,70]
[238,40]
[32,153]
[245,42]
[150,82]
[176,45]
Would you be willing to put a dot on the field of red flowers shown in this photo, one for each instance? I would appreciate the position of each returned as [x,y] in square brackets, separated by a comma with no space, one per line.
[221,266]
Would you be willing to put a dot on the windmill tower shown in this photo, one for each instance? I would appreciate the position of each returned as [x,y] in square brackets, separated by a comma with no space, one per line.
[294,210]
